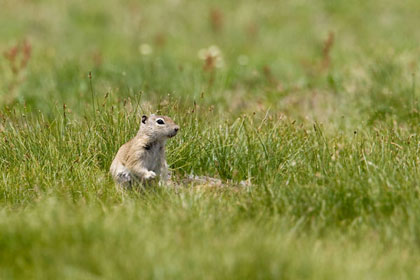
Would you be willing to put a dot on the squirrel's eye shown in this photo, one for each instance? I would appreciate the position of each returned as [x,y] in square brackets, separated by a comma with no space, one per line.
[160,121]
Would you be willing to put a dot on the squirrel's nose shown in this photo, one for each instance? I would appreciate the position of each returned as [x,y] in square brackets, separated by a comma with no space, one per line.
[176,129]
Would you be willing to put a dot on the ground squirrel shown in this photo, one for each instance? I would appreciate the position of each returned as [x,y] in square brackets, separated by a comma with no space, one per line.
[143,158]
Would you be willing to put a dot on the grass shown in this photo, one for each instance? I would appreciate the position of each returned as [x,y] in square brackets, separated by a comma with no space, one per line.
[313,105]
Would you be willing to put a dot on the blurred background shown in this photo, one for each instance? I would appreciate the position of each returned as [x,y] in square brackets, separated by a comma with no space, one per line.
[321,59]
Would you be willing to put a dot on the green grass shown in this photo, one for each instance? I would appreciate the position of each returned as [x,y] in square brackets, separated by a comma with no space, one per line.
[314,105]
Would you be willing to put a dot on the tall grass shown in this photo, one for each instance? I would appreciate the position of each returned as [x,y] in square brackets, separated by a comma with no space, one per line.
[352,195]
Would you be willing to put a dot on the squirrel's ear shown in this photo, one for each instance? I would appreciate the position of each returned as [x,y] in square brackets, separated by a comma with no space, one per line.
[143,119]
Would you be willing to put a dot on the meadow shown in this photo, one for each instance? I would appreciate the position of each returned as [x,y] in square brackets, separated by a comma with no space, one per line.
[307,111]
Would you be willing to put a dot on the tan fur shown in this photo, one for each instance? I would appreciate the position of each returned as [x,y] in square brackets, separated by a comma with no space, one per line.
[143,158]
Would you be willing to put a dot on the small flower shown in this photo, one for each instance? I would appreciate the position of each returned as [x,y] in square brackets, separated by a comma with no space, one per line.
[214,50]
[212,57]
[145,49]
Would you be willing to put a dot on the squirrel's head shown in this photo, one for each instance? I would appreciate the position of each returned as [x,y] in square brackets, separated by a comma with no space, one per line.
[158,127]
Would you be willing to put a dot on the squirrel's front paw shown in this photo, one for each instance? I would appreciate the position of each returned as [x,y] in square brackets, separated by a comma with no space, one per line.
[150,175]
